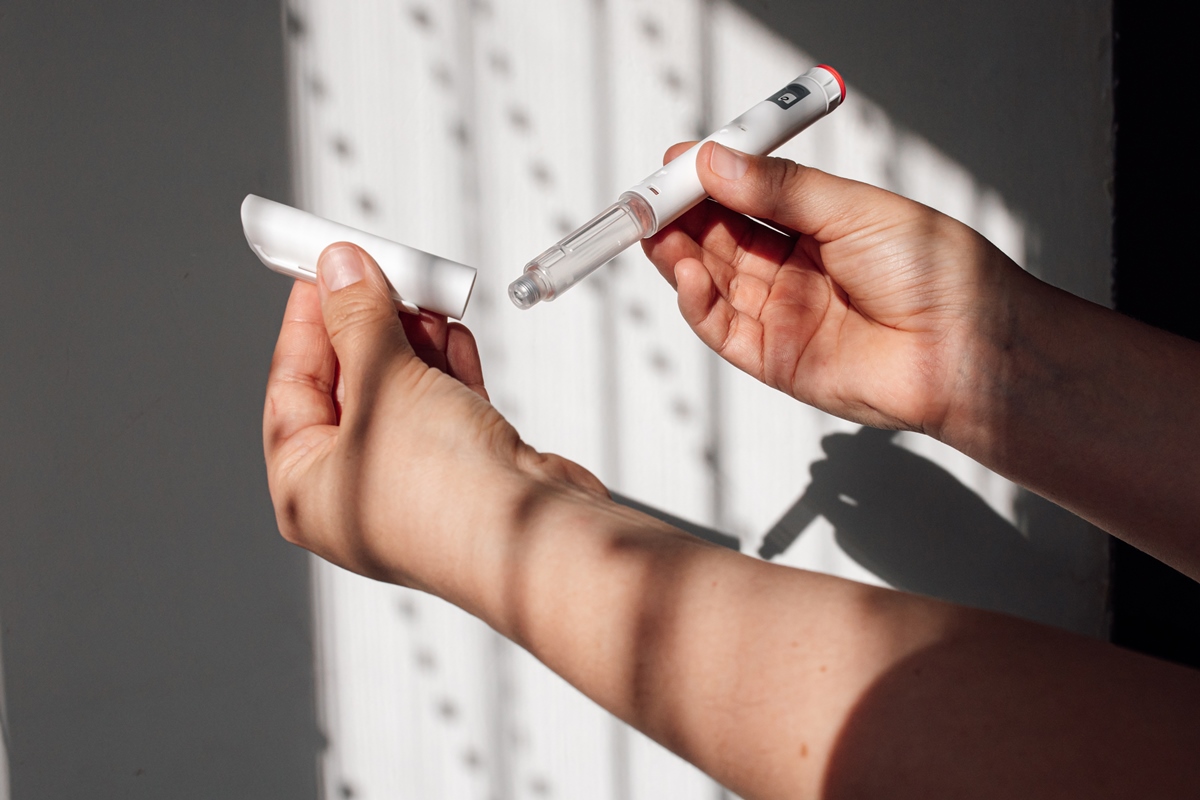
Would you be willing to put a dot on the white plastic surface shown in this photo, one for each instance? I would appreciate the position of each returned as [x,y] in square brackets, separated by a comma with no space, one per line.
[675,188]
[289,241]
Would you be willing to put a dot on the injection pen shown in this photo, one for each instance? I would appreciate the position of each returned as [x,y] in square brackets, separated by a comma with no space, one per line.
[663,197]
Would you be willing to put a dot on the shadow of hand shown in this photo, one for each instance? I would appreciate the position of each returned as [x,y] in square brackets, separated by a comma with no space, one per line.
[918,528]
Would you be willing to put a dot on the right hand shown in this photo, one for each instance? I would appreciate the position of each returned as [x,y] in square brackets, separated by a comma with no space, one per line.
[871,306]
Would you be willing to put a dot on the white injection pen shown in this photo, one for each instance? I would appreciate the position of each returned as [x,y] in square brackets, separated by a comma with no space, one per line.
[664,196]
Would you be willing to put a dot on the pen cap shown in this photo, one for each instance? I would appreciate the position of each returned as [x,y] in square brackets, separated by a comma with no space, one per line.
[290,241]
[831,84]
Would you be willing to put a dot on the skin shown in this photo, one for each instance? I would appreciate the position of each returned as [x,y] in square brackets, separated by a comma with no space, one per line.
[384,457]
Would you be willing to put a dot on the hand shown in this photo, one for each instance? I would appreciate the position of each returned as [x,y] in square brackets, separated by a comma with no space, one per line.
[383,454]
[867,306]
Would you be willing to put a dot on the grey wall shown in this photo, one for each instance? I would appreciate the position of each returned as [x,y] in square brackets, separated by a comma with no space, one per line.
[156,629]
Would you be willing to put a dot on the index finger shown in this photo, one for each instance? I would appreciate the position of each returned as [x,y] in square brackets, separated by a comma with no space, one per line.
[303,372]
[800,198]
[675,151]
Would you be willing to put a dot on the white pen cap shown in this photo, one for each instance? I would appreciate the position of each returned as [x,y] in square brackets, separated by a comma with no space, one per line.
[290,241]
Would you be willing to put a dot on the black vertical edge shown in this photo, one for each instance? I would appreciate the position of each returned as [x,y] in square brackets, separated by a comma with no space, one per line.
[1155,609]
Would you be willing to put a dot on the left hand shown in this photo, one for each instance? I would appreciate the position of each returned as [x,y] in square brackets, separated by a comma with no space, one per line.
[383,453]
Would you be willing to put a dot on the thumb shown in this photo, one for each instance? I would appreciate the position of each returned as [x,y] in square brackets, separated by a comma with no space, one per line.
[359,312]
[801,198]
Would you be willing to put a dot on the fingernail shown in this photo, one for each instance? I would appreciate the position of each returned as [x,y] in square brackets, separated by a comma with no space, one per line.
[729,164]
[340,266]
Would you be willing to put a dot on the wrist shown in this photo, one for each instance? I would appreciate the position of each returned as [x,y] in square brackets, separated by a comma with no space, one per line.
[994,330]
[506,516]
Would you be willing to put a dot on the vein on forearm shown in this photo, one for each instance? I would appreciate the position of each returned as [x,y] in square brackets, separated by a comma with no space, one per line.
[1096,412]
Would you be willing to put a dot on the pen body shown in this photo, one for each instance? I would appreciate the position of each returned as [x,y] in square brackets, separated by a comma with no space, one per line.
[676,187]
[662,197]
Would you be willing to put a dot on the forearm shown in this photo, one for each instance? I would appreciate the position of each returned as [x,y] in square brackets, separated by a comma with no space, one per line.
[1092,410]
[784,683]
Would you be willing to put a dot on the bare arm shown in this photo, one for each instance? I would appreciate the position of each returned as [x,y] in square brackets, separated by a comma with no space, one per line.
[783,683]
[881,310]
[384,457]
[1096,412]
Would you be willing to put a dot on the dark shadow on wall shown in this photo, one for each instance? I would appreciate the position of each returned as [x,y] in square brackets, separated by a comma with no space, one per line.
[157,632]
[1018,92]
[921,530]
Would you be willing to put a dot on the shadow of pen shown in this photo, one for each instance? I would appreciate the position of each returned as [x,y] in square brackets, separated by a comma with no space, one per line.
[784,533]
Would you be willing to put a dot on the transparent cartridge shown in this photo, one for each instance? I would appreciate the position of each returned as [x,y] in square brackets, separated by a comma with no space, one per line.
[663,197]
